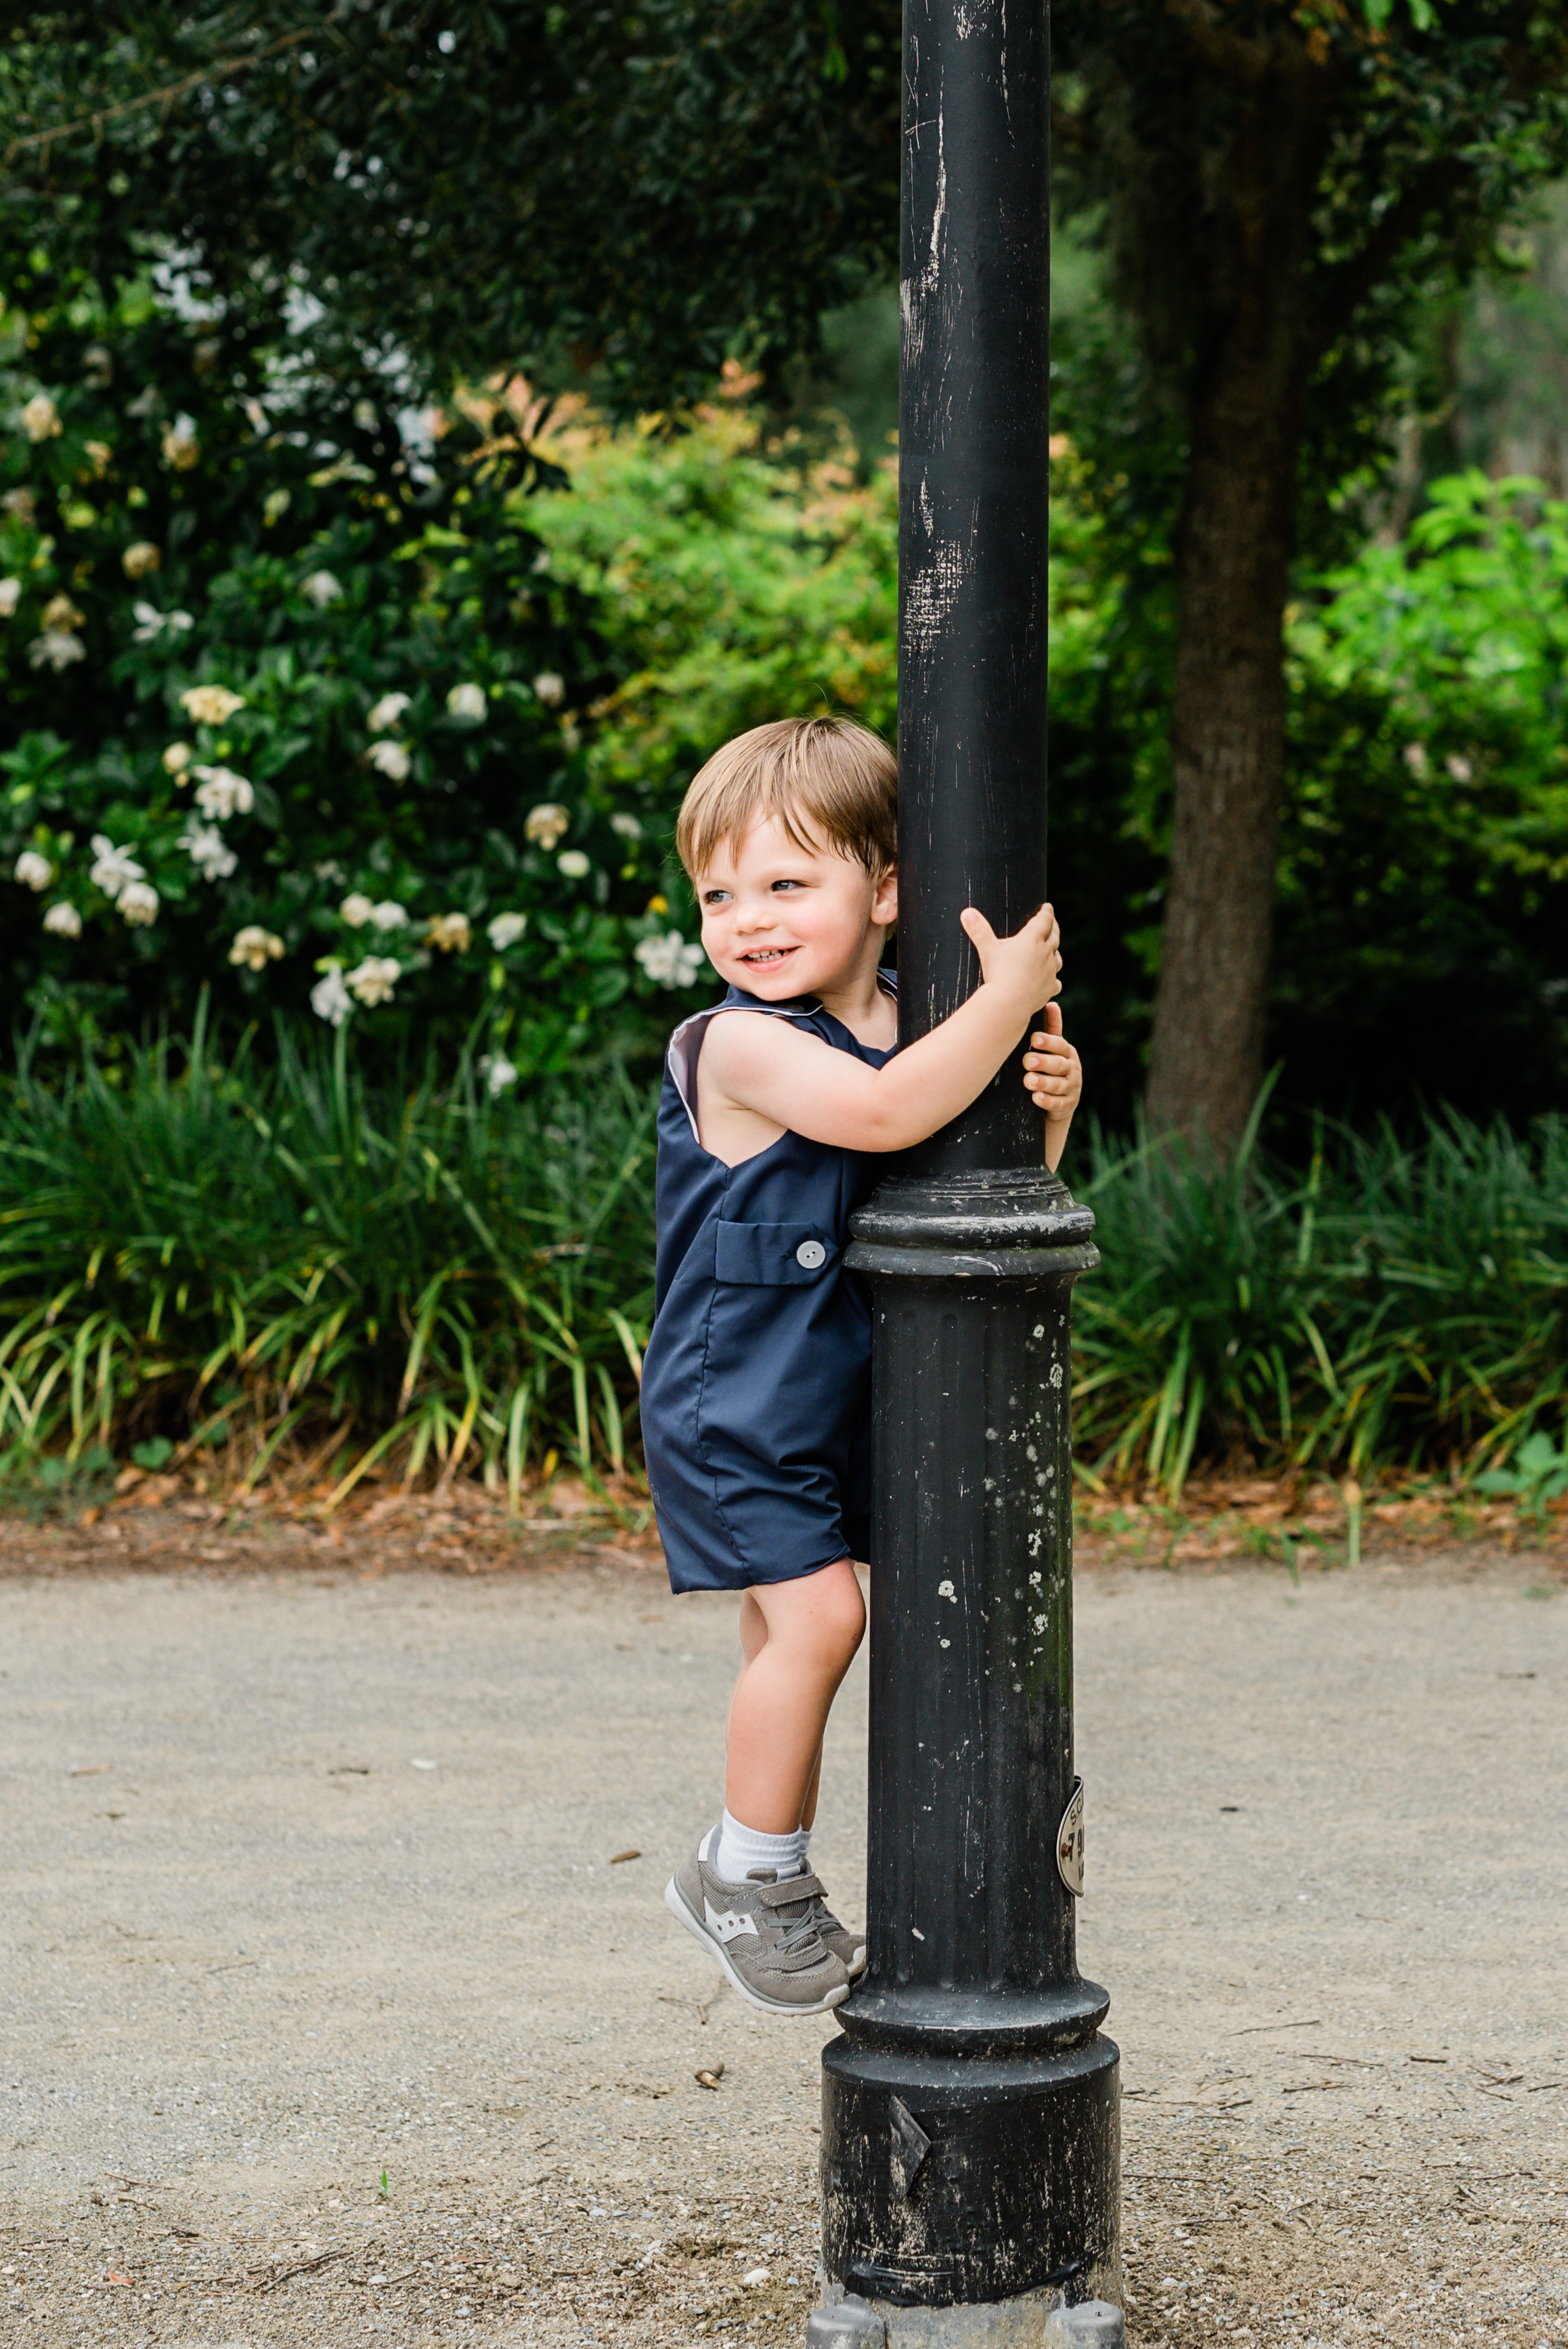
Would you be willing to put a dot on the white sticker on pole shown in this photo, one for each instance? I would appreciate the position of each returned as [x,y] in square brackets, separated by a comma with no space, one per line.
[1069,1842]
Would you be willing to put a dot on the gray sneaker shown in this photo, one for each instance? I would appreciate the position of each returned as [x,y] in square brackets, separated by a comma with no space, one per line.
[763,1933]
[850,1948]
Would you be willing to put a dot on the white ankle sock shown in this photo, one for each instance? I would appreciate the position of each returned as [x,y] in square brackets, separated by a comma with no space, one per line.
[735,1850]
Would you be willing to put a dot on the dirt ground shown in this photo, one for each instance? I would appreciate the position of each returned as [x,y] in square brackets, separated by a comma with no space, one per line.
[340,2006]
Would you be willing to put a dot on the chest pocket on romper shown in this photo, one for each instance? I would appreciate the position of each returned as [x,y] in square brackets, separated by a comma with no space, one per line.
[772,1255]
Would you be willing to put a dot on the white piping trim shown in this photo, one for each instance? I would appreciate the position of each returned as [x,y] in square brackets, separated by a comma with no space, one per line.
[683,1053]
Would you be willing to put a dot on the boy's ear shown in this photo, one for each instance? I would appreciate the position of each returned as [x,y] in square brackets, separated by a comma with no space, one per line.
[884,901]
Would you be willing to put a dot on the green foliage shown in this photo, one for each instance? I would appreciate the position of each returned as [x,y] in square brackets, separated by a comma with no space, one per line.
[302,1261]
[495,182]
[290,669]
[1401,1304]
[1424,862]
[1466,625]
[308,1264]
[692,581]
[729,585]
[1537,1475]
[1424,882]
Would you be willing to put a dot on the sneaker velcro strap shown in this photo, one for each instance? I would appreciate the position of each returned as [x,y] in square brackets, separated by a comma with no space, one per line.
[792,1888]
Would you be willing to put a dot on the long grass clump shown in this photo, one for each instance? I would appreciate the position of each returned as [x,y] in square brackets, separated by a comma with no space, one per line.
[294,1265]
[1401,1303]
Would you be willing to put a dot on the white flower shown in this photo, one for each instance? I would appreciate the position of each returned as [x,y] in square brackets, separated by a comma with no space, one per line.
[497,1073]
[63,921]
[550,688]
[40,418]
[151,624]
[207,851]
[177,758]
[451,933]
[59,611]
[322,588]
[10,596]
[138,560]
[388,711]
[114,869]
[505,930]
[467,702]
[34,870]
[220,792]
[546,823]
[670,960]
[1415,758]
[330,999]
[255,947]
[390,758]
[210,705]
[389,916]
[1459,768]
[356,909]
[181,449]
[372,980]
[628,826]
[58,648]
[138,901]
[572,863]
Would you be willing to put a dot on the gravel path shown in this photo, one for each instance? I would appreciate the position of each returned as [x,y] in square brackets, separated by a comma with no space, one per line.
[309,1882]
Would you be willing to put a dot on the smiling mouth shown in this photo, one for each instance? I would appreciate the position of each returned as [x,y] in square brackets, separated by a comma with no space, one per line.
[761,957]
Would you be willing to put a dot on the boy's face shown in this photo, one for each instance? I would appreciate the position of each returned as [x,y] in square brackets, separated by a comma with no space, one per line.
[782,921]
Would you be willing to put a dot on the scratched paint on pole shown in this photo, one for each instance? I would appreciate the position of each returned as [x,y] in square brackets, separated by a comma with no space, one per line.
[970,2135]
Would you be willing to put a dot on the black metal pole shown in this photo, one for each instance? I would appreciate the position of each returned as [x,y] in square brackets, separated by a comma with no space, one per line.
[970,2130]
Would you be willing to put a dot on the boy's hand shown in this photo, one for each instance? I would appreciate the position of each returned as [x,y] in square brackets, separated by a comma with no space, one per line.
[1052,1070]
[1027,965]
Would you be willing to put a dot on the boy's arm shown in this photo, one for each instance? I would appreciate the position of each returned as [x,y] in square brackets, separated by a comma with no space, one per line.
[801,1083]
[1054,1076]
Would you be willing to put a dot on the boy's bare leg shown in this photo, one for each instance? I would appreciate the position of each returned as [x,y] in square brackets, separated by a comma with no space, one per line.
[809,1807]
[798,1640]
[753,1639]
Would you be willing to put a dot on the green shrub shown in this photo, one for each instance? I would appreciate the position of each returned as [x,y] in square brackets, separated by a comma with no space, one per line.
[289,1257]
[292,1256]
[293,708]
[1401,1304]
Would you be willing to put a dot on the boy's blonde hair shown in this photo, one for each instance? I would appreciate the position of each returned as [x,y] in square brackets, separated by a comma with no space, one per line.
[836,777]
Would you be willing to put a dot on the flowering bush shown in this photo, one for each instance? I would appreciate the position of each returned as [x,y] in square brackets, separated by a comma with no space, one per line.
[294,709]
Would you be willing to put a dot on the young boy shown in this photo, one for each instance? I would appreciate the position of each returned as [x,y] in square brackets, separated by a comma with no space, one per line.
[774,1127]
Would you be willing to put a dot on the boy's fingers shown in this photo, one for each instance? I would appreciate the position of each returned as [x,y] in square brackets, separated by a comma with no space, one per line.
[1054,1018]
[976,926]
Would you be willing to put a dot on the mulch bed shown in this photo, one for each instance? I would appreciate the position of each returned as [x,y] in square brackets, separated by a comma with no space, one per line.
[1306,1527]
[165,1523]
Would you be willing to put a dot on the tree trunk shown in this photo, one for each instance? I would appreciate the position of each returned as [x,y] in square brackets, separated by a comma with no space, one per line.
[1227,753]
[1232,566]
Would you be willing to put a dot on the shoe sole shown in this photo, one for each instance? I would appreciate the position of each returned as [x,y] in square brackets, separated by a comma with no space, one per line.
[699,1932]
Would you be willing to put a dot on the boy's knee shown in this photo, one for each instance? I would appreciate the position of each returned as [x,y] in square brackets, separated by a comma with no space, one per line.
[848,1614]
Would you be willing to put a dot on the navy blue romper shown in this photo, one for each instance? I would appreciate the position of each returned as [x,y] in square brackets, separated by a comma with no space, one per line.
[757,1381]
